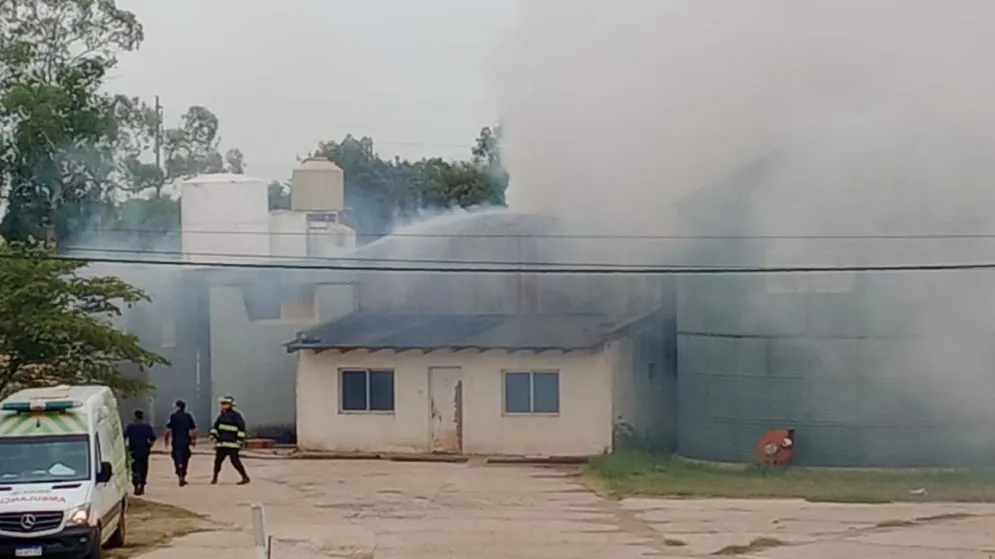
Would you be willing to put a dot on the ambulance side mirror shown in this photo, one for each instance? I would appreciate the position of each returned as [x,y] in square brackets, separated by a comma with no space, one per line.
[105,472]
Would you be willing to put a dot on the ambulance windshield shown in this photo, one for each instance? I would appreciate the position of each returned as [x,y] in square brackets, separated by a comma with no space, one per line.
[44,459]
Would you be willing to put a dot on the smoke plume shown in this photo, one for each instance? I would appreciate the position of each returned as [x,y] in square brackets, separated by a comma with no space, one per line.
[615,110]
[812,118]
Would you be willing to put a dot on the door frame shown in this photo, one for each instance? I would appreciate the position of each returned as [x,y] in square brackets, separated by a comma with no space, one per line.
[457,410]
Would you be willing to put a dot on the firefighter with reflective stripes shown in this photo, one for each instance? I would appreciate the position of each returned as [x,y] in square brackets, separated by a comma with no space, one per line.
[228,433]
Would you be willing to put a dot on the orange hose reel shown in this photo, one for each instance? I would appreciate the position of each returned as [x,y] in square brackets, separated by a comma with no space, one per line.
[777,447]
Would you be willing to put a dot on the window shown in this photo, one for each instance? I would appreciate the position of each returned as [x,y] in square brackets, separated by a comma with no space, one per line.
[535,392]
[366,390]
[260,302]
[49,459]
[279,302]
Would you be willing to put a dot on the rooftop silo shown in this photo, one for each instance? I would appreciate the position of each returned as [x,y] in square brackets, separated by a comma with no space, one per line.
[317,185]
[886,369]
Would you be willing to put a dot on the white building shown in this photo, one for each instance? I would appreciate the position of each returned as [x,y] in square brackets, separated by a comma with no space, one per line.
[546,385]
[249,312]
[226,217]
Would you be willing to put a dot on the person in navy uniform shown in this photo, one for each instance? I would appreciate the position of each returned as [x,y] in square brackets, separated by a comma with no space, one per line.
[181,432]
[140,438]
[228,433]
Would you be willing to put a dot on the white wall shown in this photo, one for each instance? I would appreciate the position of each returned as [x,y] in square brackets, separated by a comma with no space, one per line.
[248,359]
[292,236]
[288,234]
[222,215]
[582,428]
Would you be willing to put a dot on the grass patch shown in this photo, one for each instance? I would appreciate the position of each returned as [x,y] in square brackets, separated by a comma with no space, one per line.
[638,474]
[758,544]
[152,525]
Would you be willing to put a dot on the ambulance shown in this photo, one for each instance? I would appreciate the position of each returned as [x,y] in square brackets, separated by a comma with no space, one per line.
[63,473]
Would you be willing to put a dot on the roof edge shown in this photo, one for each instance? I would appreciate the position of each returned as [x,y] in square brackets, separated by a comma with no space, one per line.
[305,339]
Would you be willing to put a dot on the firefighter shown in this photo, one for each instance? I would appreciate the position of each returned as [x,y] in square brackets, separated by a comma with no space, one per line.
[181,431]
[228,433]
[140,439]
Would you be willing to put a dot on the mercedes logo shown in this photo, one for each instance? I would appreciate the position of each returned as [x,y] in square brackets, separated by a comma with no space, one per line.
[28,521]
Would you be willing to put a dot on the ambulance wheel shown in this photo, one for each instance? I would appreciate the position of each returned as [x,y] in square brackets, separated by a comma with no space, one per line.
[117,538]
[96,552]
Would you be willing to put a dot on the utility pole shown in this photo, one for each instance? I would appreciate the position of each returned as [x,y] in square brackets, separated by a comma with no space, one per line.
[157,139]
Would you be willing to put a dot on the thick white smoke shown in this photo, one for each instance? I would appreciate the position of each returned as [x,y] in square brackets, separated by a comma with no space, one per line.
[614,110]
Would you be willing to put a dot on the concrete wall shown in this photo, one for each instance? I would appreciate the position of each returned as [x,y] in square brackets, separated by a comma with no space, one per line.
[248,359]
[644,387]
[583,427]
[872,369]
[224,215]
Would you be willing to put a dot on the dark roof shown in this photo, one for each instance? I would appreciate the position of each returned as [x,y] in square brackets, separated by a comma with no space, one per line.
[400,332]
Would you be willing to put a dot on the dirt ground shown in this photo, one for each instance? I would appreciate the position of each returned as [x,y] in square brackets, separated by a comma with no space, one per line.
[388,510]
[152,525]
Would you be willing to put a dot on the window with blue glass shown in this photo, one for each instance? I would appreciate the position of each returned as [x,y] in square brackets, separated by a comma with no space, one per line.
[532,392]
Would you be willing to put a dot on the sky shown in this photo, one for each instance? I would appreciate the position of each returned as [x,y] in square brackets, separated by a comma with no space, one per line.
[282,76]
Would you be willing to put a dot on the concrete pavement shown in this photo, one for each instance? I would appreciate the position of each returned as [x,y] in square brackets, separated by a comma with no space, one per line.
[346,508]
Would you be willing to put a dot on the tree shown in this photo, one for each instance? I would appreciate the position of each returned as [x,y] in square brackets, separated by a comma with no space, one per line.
[487,158]
[372,188]
[55,324]
[146,224]
[279,196]
[461,184]
[487,148]
[59,132]
[138,126]
[235,161]
[194,147]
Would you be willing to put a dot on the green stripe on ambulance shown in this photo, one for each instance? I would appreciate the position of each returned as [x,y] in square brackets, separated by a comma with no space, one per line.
[42,424]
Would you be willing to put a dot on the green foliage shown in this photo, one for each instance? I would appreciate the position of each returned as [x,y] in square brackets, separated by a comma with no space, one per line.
[194,147]
[279,196]
[630,473]
[61,133]
[381,191]
[40,39]
[143,224]
[189,150]
[56,324]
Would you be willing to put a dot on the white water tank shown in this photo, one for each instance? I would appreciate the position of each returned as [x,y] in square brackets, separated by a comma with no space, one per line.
[224,218]
[317,185]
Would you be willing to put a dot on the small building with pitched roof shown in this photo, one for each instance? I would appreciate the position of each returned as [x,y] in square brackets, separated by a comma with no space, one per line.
[486,384]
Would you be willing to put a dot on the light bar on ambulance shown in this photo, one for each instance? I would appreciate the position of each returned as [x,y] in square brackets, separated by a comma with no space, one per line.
[40,406]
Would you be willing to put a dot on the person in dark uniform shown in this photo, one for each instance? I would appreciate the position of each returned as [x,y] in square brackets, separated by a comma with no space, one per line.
[181,431]
[140,438]
[228,433]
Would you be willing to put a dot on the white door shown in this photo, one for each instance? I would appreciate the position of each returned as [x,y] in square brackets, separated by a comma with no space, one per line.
[445,398]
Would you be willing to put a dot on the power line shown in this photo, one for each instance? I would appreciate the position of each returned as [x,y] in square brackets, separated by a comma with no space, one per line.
[649,270]
[952,236]
[334,259]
